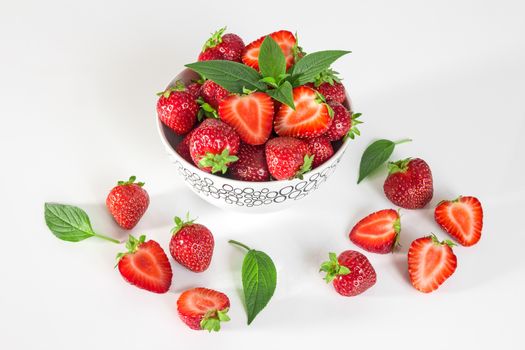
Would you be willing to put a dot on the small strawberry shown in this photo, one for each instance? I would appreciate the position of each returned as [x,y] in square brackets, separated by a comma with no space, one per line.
[191,244]
[251,165]
[287,158]
[462,218]
[409,183]
[214,145]
[222,46]
[183,148]
[329,85]
[177,109]
[194,89]
[203,309]
[377,232]
[430,263]
[344,124]
[321,148]
[285,39]
[312,116]
[351,273]
[127,202]
[212,93]
[145,265]
[250,115]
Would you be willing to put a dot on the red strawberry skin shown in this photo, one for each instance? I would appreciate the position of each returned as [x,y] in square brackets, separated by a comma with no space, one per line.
[192,247]
[213,93]
[127,203]
[285,39]
[335,92]
[251,165]
[409,184]
[223,47]
[362,275]
[183,148]
[341,123]
[461,218]
[377,232]
[285,156]
[250,115]
[195,303]
[178,111]
[148,268]
[194,89]
[210,54]
[310,118]
[321,148]
[430,263]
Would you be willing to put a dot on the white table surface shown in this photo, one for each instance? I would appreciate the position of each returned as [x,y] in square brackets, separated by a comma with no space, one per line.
[78,83]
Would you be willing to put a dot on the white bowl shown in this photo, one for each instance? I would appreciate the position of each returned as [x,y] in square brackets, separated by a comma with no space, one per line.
[252,197]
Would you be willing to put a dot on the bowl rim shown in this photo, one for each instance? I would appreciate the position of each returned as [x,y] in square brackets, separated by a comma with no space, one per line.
[338,154]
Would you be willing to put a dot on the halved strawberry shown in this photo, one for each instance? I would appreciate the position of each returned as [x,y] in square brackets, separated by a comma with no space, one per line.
[145,265]
[430,263]
[462,218]
[285,39]
[312,116]
[250,115]
[377,232]
[202,308]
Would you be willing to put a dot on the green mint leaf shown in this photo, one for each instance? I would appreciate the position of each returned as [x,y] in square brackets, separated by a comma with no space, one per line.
[375,155]
[70,223]
[283,94]
[232,76]
[272,62]
[311,65]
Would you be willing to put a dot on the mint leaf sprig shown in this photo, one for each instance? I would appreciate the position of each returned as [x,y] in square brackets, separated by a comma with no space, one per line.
[375,155]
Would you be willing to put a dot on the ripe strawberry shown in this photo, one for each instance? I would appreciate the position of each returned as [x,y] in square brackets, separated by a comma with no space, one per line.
[127,202]
[250,115]
[351,273]
[409,183]
[321,148]
[312,116]
[212,93]
[462,218]
[191,244]
[344,123]
[213,146]
[194,89]
[329,85]
[202,308]
[285,39]
[145,265]
[251,165]
[177,109]
[222,46]
[377,232]
[183,148]
[430,263]
[287,158]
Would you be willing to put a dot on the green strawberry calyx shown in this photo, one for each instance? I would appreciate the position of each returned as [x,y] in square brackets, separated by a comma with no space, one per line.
[179,86]
[354,131]
[214,40]
[322,100]
[327,76]
[181,223]
[397,230]
[211,321]
[132,245]
[333,268]
[131,181]
[436,241]
[218,162]
[306,167]
[400,166]
[206,110]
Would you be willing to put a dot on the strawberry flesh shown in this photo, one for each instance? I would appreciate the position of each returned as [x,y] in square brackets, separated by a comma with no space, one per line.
[285,39]
[377,232]
[195,304]
[461,218]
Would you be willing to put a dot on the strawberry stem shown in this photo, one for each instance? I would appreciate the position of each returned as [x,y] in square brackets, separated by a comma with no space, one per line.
[239,244]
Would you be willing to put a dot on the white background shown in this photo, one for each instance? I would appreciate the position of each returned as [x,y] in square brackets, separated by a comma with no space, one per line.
[77,87]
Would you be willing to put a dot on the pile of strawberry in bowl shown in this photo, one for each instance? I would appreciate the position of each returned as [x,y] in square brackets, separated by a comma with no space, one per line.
[256,127]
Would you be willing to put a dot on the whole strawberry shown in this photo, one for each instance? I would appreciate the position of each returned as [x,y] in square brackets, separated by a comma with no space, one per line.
[214,145]
[251,165]
[409,183]
[203,309]
[288,157]
[222,46]
[183,148]
[127,202]
[212,93]
[194,89]
[191,244]
[145,265]
[329,85]
[321,148]
[351,273]
[177,109]
[344,124]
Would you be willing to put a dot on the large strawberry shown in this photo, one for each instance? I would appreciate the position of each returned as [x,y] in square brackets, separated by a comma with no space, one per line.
[203,309]
[430,263]
[222,46]
[145,265]
[312,115]
[251,165]
[250,115]
[462,218]
[213,146]
[212,93]
[351,272]
[191,244]
[344,123]
[321,148]
[177,109]
[409,183]
[377,232]
[127,202]
[285,39]
[287,158]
